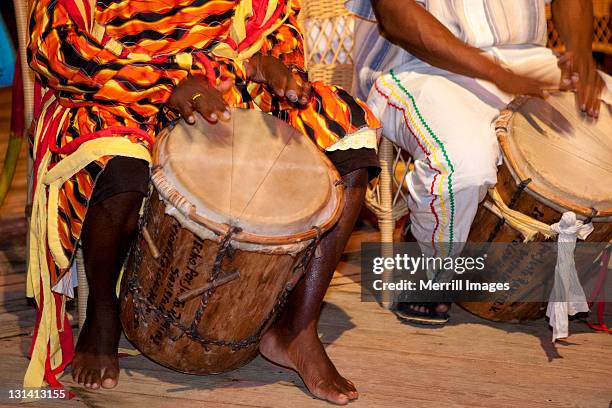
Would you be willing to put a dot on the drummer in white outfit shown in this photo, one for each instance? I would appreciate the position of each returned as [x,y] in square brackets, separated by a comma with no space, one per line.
[437,73]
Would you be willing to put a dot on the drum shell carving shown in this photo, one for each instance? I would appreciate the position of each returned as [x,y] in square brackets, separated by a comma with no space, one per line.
[235,310]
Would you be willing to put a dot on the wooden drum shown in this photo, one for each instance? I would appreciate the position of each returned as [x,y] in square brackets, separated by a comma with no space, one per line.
[555,160]
[234,216]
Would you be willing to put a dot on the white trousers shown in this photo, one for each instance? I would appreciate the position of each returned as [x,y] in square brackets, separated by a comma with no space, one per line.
[446,123]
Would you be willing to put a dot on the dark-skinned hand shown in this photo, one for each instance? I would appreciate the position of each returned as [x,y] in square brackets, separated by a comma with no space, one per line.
[269,70]
[195,94]
[516,84]
[579,73]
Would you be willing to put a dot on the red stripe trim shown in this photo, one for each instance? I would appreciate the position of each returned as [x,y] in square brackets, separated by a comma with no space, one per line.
[112,131]
[431,191]
[431,204]
[401,108]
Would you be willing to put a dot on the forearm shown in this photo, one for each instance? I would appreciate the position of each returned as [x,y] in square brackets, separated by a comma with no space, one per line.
[427,39]
[574,21]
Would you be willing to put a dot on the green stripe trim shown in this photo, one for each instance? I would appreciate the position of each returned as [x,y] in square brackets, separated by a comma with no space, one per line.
[444,152]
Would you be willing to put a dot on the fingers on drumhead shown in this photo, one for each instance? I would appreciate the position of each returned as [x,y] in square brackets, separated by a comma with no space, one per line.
[294,90]
[213,108]
[186,111]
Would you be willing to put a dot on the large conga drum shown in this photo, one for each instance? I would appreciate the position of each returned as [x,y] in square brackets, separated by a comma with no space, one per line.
[234,216]
[555,160]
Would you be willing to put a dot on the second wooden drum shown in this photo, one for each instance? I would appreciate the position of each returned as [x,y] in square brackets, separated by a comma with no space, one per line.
[555,160]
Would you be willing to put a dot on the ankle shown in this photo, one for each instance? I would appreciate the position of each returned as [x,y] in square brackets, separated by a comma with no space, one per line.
[292,330]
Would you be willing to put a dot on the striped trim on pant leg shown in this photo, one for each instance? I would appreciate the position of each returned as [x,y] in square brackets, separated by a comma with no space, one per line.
[438,160]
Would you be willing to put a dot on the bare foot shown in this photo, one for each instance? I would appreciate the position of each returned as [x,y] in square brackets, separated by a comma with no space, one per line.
[96,362]
[304,353]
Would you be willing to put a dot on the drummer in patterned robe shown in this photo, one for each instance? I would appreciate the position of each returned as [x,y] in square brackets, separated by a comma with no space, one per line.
[438,86]
[113,73]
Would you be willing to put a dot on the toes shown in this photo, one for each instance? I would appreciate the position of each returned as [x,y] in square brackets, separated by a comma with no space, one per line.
[347,388]
[75,373]
[91,379]
[87,378]
[81,376]
[110,378]
[351,395]
[350,391]
[338,398]
[333,393]
[95,379]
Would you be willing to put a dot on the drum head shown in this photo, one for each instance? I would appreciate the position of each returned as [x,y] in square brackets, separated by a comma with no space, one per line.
[255,172]
[568,157]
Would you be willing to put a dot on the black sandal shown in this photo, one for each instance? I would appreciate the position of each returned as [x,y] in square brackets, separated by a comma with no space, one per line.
[430,317]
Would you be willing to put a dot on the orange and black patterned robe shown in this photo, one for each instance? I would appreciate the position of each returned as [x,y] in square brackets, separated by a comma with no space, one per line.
[110,66]
[106,90]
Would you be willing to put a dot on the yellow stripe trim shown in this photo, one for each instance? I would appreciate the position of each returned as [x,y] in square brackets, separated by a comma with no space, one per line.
[432,149]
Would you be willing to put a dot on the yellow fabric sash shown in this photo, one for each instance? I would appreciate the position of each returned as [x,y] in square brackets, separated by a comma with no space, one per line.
[43,231]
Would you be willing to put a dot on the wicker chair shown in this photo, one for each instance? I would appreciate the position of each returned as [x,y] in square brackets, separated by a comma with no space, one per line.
[602,30]
[328,42]
[328,46]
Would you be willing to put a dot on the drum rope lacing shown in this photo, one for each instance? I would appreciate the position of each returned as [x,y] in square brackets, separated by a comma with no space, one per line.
[225,249]
[143,305]
[527,226]
[515,196]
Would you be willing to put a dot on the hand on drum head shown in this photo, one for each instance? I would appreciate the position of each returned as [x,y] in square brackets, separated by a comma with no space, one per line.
[579,73]
[268,70]
[516,84]
[195,94]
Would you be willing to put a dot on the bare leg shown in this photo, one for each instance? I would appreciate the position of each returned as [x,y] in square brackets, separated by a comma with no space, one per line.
[293,341]
[107,233]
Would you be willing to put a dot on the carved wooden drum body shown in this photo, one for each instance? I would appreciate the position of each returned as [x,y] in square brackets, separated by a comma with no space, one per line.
[555,160]
[234,216]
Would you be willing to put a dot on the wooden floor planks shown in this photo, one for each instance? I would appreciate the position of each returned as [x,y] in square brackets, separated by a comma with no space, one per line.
[468,363]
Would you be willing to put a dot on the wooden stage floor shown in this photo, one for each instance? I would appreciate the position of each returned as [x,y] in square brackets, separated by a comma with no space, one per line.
[470,362]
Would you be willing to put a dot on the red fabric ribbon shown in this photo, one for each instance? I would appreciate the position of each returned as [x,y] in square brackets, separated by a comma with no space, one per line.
[601,305]
[66,344]
[112,131]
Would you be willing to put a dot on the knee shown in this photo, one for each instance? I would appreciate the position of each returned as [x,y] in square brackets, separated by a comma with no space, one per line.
[355,184]
[121,209]
[356,179]
[476,178]
[476,166]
